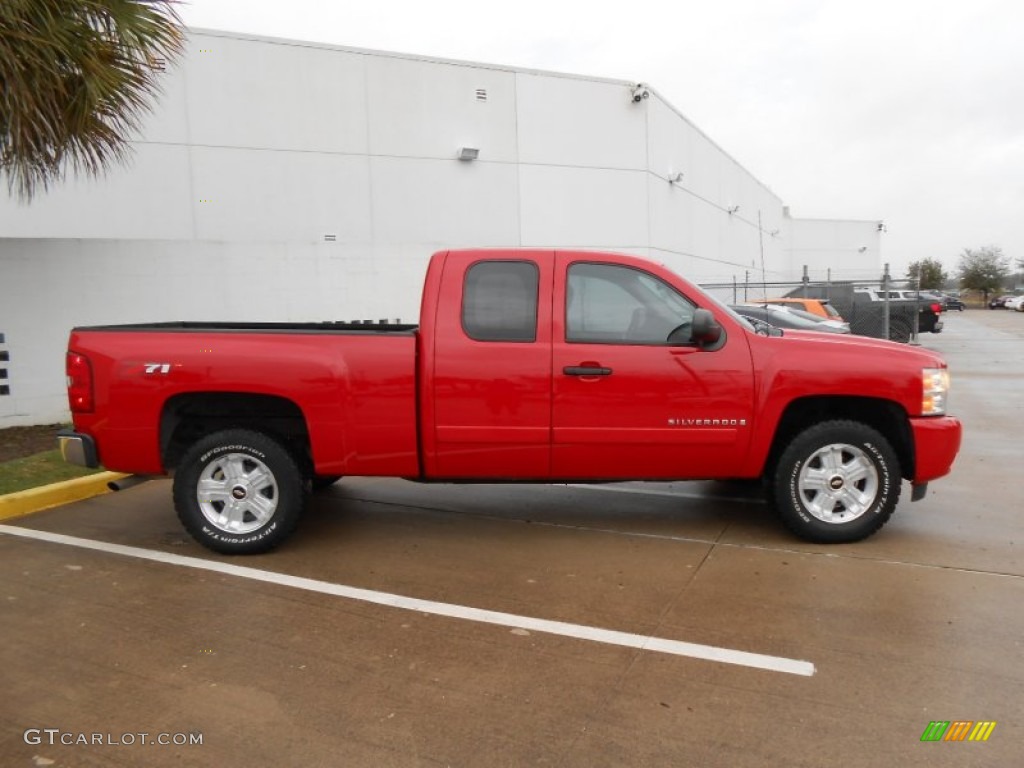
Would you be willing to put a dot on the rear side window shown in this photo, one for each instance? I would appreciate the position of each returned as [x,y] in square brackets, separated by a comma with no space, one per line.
[499,301]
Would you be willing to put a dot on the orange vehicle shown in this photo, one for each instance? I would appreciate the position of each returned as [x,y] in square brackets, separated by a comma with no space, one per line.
[820,307]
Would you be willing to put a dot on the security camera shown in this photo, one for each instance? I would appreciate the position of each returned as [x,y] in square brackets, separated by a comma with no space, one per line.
[640,92]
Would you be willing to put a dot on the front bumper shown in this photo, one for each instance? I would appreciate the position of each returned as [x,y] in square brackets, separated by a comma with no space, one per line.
[936,443]
[77,448]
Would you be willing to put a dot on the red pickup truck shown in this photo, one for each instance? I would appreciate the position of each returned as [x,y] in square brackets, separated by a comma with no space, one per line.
[527,366]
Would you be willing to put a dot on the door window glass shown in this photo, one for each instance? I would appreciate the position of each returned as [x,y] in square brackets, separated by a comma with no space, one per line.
[612,304]
[499,301]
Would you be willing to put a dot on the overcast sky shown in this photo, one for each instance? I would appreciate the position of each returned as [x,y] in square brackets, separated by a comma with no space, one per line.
[908,111]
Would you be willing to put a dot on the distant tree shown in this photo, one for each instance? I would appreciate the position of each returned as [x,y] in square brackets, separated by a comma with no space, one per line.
[76,76]
[983,269]
[928,274]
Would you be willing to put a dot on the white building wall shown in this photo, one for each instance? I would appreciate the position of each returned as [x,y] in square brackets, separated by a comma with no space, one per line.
[280,180]
[836,249]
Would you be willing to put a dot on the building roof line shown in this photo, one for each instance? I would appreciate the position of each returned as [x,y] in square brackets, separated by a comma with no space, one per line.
[513,70]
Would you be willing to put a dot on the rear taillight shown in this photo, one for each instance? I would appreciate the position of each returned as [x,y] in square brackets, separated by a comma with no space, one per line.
[79,383]
[936,308]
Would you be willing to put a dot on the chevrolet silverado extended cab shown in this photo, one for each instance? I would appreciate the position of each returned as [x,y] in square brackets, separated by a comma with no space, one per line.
[526,366]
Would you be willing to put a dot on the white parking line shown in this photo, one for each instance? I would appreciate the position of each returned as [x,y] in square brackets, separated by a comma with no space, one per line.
[564,629]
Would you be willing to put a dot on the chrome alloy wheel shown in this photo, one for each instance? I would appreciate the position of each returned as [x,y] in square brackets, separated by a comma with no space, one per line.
[838,483]
[237,493]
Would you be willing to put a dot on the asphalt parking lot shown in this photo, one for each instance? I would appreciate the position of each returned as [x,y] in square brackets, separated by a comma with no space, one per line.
[657,625]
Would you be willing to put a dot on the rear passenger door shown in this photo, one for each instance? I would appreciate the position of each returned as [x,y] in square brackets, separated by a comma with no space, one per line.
[492,366]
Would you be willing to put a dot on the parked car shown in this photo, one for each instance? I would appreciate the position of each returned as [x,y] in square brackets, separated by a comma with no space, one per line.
[866,313]
[906,294]
[1016,303]
[999,302]
[836,322]
[820,307]
[791,319]
[949,301]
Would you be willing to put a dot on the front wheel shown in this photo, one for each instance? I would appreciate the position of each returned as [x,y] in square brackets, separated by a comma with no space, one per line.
[239,492]
[837,481]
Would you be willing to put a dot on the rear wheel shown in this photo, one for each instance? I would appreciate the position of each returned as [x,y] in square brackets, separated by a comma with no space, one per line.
[837,481]
[239,491]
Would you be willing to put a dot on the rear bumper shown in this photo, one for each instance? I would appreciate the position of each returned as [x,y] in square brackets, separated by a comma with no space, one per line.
[77,448]
[936,443]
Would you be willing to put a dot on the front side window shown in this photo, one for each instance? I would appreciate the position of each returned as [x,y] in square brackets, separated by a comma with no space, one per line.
[612,304]
[499,301]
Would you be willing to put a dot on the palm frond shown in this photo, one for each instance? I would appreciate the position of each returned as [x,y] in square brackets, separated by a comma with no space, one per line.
[76,79]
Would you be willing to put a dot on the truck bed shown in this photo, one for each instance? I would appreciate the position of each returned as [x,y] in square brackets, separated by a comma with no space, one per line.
[353,385]
[330,326]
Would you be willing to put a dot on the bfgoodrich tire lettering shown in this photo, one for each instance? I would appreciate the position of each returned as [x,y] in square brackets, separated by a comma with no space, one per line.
[239,491]
[837,481]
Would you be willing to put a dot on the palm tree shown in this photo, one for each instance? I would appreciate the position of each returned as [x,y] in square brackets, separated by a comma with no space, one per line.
[76,77]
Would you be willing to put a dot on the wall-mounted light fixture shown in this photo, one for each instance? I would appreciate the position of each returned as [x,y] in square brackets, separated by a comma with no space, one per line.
[880,227]
[773,233]
[732,209]
[862,249]
[675,178]
[468,153]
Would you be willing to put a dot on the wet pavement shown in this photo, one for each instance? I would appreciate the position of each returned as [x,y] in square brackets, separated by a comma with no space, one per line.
[279,661]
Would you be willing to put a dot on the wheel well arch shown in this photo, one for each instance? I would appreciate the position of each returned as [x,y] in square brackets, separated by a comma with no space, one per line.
[887,417]
[188,417]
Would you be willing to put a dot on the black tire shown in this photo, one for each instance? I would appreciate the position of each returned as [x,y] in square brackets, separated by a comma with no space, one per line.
[859,475]
[320,482]
[253,497]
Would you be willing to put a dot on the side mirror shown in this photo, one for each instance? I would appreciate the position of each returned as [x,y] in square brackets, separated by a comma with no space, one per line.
[706,330]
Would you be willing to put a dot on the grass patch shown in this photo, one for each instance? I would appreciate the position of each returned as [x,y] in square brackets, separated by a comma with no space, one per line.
[38,469]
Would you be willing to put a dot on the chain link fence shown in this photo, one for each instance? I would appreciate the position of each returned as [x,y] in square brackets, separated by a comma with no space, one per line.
[883,309]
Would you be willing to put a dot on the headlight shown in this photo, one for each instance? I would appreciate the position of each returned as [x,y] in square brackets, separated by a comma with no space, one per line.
[935,388]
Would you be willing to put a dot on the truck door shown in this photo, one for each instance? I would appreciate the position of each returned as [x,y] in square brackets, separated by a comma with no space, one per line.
[492,366]
[627,402]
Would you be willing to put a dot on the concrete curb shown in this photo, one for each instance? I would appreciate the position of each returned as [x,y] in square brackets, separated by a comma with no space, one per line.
[55,494]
